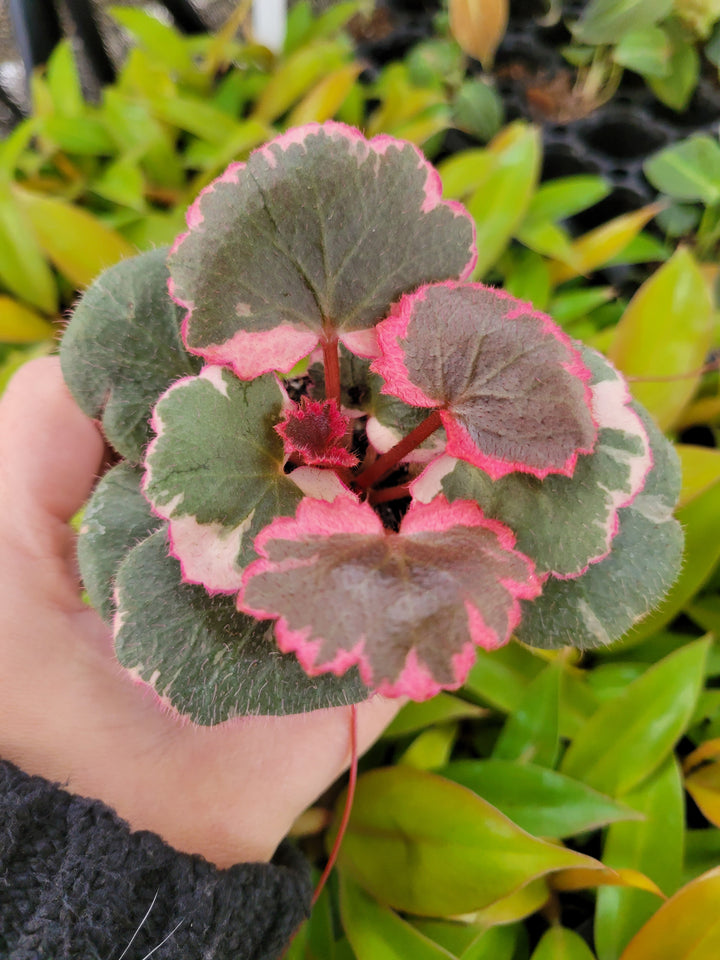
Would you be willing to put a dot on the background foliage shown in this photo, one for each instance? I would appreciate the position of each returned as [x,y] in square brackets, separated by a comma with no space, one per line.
[560,805]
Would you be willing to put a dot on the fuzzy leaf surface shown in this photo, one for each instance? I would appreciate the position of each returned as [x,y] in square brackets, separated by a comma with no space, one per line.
[122,349]
[117,517]
[202,657]
[329,229]
[215,471]
[409,608]
[566,523]
[510,385]
[602,604]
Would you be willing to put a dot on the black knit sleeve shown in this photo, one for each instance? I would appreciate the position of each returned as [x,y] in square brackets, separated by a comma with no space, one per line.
[75,882]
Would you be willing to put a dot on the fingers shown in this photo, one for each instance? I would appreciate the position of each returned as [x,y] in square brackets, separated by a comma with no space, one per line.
[50,452]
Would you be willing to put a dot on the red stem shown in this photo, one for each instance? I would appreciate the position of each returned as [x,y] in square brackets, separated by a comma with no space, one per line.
[348,805]
[387,461]
[388,494]
[331,357]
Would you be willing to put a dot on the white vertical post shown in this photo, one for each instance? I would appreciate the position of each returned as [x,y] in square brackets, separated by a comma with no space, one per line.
[269,20]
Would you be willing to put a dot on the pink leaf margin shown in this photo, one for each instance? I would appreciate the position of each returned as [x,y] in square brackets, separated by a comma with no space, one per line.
[321,519]
[391,367]
[250,354]
[611,407]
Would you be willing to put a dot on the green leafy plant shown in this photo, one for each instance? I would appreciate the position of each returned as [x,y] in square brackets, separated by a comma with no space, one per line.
[661,41]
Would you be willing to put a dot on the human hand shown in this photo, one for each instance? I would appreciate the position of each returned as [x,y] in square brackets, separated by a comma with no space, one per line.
[70,714]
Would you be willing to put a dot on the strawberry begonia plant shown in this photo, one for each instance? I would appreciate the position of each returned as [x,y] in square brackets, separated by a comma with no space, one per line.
[345,466]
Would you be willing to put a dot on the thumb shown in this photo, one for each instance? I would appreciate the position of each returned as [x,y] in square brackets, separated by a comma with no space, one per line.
[50,453]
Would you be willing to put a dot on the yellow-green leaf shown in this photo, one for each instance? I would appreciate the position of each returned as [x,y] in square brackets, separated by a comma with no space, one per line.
[652,845]
[687,927]
[24,270]
[419,843]
[523,903]
[500,203]
[324,100]
[595,248]
[479,26]
[559,943]
[20,324]
[78,244]
[464,172]
[296,76]
[631,735]
[703,785]
[665,332]
[700,470]
[377,933]
[622,877]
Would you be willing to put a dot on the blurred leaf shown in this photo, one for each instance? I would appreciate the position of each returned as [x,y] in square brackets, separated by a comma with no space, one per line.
[64,82]
[497,943]
[688,170]
[573,304]
[567,880]
[700,470]
[523,903]
[702,851]
[19,324]
[700,519]
[595,248]
[378,933]
[541,801]
[666,331]
[454,935]
[559,943]
[500,678]
[402,104]
[676,88]
[122,182]
[703,785]
[631,736]
[296,76]
[478,109]
[527,278]
[550,240]
[432,748]
[325,99]
[195,116]
[565,196]
[647,51]
[644,248]
[440,709]
[654,846]
[499,205]
[479,26]
[162,42]
[23,268]
[530,734]
[687,927]
[463,172]
[604,21]
[86,136]
[419,843]
[76,242]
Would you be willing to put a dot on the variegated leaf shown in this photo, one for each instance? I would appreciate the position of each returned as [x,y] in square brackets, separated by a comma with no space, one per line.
[313,238]
[215,472]
[408,608]
[510,385]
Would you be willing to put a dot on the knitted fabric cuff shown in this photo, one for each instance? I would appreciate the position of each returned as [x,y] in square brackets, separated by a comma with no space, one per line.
[76,882]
